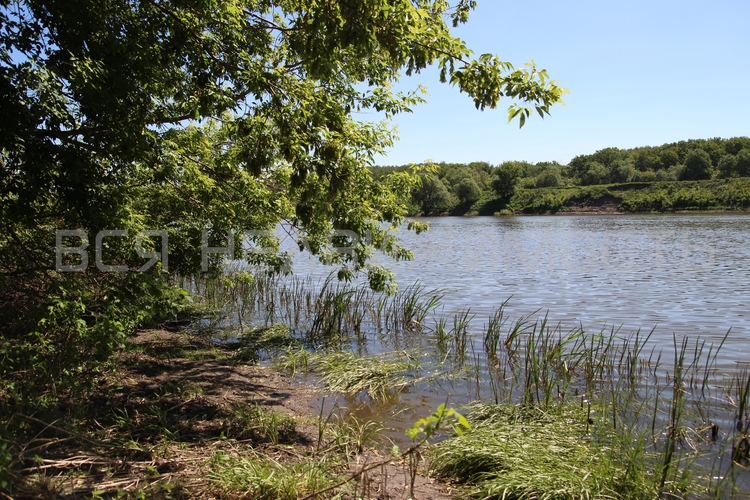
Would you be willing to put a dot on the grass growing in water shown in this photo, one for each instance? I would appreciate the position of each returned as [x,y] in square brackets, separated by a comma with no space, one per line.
[379,377]
[656,414]
[258,342]
[350,374]
[515,452]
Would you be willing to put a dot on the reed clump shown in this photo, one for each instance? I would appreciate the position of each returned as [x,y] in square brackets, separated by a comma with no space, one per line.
[260,342]
[517,452]
[376,376]
[329,315]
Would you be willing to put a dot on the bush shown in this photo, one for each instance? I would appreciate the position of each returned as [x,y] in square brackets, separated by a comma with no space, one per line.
[694,198]
[596,173]
[467,191]
[657,201]
[548,178]
[507,176]
[697,166]
[73,331]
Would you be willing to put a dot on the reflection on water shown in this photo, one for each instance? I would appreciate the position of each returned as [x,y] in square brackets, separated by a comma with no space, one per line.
[685,274]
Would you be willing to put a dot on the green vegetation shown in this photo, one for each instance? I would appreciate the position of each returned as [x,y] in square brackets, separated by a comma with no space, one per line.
[596,416]
[528,452]
[634,180]
[346,373]
[573,414]
[262,477]
[198,125]
[718,194]
[379,377]
[180,126]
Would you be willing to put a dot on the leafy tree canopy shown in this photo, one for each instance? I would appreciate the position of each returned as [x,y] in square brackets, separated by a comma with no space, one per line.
[697,166]
[431,195]
[507,175]
[467,191]
[228,115]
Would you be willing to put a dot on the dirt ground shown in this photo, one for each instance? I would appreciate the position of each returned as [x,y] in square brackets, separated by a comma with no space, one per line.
[172,402]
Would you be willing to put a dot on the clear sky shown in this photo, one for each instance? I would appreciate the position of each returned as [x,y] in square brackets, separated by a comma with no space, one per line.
[639,73]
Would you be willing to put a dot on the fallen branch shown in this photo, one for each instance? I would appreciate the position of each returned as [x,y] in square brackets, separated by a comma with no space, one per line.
[60,429]
[364,469]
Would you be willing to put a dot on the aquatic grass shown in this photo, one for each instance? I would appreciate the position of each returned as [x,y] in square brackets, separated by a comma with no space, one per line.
[330,314]
[656,410]
[638,417]
[408,308]
[739,392]
[459,334]
[741,387]
[676,408]
[441,335]
[378,377]
[351,435]
[263,342]
[336,312]
[415,304]
[517,453]
[549,359]
[293,361]
[493,332]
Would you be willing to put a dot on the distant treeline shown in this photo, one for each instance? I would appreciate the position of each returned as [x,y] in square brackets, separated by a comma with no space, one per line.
[514,186]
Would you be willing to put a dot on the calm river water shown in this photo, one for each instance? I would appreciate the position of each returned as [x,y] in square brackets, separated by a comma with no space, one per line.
[684,274]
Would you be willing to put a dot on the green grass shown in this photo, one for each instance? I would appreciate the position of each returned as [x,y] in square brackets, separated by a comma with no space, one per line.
[263,478]
[515,452]
[377,376]
[271,341]
[350,435]
[263,425]
[594,416]
[660,196]
[646,435]
[293,361]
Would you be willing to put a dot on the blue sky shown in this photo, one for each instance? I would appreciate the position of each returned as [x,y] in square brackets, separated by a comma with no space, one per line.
[639,73]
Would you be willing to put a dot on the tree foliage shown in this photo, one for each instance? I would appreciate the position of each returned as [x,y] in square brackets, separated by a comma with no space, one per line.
[697,166]
[432,196]
[507,176]
[499,184]
[467,191]
[742,167]
[656,163]
[201,115]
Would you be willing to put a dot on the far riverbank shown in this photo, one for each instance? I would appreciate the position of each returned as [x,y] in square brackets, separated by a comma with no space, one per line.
[712,196]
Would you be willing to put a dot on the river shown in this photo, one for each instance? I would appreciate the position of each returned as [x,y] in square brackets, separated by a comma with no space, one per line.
[683,274]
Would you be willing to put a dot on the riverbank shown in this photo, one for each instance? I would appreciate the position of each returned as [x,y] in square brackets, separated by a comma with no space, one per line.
[178,416]
[676,196]
[717,195]
[550,413]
